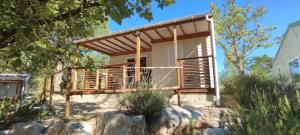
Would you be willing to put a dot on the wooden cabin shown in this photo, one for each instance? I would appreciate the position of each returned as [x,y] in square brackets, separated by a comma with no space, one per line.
[177,55]
[13,85]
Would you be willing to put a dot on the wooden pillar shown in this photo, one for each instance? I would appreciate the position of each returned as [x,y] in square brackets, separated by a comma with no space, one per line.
[68,93]
[177,64]
[137,58]
[51,89]
[97,78]
[74,87]
[106,79]
[124,76]
[44,90]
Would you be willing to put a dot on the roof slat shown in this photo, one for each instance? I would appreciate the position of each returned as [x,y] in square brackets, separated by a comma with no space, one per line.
[107,40]
[102,46]
[110,46]
[96,49]
[199,34]
[124,43]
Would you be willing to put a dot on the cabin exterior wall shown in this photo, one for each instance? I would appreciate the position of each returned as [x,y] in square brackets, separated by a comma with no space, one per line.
[288,51]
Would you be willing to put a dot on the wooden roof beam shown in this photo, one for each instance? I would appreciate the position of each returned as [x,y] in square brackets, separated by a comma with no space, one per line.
[158,34]
[183,32]
[171,33]
[104,47]
[146,43]
[108,46]
[194,35]
[131,52]
[195,26]
[107,40]
[131,41]
[122,42]
[147,35]
[96,49]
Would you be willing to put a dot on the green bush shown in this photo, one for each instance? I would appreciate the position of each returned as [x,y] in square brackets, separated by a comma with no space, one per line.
[145,102]
[22,110]
[266,107]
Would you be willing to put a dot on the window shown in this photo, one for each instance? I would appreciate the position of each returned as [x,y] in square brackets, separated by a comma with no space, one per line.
[294,68]
[278,70]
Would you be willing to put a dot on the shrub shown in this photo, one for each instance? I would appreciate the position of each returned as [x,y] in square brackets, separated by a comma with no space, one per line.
[20,111]
[265,107]
[145,102]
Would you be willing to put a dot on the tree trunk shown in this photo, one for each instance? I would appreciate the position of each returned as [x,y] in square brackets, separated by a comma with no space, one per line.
[241,70]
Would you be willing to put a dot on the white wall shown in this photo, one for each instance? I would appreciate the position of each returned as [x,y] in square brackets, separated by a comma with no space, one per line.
[289,50]
[162,55]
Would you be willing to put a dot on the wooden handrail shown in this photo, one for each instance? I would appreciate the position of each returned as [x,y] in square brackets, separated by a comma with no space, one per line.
[194,57]
[108,66]
[152,67]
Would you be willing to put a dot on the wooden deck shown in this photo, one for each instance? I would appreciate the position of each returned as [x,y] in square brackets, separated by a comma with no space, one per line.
[193,75]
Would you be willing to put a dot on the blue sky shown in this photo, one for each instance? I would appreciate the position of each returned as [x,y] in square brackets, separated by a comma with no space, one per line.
[280,14]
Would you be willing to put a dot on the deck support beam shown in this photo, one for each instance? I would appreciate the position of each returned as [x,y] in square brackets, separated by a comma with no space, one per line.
[74,87]
[68,93]
[137,58]
[176,64]
[51,89]
[44,96]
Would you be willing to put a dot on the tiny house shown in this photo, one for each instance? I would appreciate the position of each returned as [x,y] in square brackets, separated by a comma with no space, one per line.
[287,60]
[177,55]
[13,85]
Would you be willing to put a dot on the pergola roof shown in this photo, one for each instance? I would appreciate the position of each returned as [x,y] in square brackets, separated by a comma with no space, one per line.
[124,42]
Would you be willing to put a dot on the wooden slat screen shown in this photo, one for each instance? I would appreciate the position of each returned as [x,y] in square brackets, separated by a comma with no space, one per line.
[195,72]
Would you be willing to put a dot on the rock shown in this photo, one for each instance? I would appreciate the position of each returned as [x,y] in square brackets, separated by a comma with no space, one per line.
[6,132]
[28,128]
[55,129]
[216,131]
[173,120]
[71,128]
[211,124]
[113,123]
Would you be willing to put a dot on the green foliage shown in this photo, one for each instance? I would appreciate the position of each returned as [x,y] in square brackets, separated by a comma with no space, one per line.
[266,107]
[191,127]
[239,32]
[6,107]
[260,65]
[35,35]
[20,111]
[147,102]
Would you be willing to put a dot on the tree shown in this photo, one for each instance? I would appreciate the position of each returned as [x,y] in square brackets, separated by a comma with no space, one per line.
[36,34]
[239,32]
[260,65]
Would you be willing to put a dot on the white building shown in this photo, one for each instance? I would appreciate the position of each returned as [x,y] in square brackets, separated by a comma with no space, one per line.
[287,59]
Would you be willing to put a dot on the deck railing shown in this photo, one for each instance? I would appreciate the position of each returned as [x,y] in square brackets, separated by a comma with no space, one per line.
[195,75]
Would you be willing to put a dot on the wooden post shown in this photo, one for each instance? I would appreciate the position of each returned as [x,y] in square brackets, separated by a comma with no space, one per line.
[106,79]
[137,58]
[51,89]
[97,78]
[74,87]
[124,76]
[75,70]
[44,90]
[68,93]
[177,65]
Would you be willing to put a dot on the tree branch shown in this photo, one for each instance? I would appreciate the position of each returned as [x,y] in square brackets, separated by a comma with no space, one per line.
[6,36]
